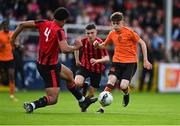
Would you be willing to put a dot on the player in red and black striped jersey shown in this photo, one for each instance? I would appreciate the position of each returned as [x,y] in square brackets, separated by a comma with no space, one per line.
[91,61]
[52,40]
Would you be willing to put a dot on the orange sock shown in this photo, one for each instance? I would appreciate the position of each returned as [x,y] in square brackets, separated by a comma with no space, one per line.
[109,88]
[11,87]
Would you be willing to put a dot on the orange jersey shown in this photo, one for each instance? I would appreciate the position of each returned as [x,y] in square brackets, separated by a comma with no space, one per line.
[125,45]
[6,53]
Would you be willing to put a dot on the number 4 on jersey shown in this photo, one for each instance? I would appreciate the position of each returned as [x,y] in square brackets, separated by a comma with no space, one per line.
[46,33]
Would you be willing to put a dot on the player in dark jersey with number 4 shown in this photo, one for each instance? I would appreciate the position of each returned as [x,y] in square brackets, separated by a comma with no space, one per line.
[52,40]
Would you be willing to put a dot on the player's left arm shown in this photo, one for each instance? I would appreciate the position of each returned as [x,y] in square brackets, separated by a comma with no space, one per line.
[147,64]
[20,28]
[65,47]
[76,55]
[105,58]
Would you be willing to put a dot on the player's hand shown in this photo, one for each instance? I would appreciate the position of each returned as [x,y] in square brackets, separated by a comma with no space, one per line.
[96,44]
[93,61]
[17,44]
[78,42]
[147,65]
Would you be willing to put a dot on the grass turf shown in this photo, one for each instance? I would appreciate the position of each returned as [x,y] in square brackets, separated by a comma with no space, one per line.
[144,109]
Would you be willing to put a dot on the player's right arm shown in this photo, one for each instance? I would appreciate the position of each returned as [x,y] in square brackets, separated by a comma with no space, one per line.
[104,44]
[99,45]
[65,47]
[20,28]
[76,54]
[146,63]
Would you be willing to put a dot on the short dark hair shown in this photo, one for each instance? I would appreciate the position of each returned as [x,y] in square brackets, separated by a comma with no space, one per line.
[5,22]
[90,26]
[116,16]
[61,13]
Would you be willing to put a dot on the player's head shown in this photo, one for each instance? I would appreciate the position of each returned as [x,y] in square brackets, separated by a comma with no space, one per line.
[116,20]
[91,32]
[61,14]
[5,25]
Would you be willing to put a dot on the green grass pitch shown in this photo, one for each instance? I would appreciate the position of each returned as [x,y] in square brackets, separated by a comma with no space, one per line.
[144,109]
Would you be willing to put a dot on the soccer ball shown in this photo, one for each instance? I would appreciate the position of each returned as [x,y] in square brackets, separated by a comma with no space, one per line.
[105,98]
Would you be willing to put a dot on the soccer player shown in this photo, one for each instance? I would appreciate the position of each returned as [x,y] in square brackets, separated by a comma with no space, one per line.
[6,56]
[52,40]
[90,62]
[124,63]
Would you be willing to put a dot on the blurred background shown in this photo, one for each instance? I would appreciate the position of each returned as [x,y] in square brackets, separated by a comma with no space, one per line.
[156,21]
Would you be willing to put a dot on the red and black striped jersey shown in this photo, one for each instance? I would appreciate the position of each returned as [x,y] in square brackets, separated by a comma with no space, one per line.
[88,51]
[49,36]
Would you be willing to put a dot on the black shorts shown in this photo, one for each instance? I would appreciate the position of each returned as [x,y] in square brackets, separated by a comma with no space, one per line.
[123,70]
[50,74]
[7,64]
[95,78]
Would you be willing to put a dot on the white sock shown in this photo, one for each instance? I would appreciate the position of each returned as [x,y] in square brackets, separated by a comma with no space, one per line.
[102,107]
[33,105]
[82,99]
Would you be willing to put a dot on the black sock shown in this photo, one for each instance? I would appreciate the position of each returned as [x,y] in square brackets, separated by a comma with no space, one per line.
[72,88]
[126,91]
[42,102]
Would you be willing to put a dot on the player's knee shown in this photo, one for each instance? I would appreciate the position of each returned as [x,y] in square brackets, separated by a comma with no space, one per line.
[78,83]
[124,84]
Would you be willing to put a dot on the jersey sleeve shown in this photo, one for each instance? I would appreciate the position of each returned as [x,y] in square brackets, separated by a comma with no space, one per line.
[108,39]
[39,22]
[61,35]
[135,36]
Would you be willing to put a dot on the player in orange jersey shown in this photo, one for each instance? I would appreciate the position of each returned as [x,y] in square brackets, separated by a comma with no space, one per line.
[124,63]
[6,56]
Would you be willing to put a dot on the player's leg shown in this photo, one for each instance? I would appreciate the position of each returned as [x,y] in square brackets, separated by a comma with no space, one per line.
[124,85]
[11,77]
[149,87]
[79,80]
[109,87]
[80,77]
[112,78]
[95,79]
[127,74]
[50,99]
[143,75]
[51,77]
[111,82]
[91,91]
[67,74]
